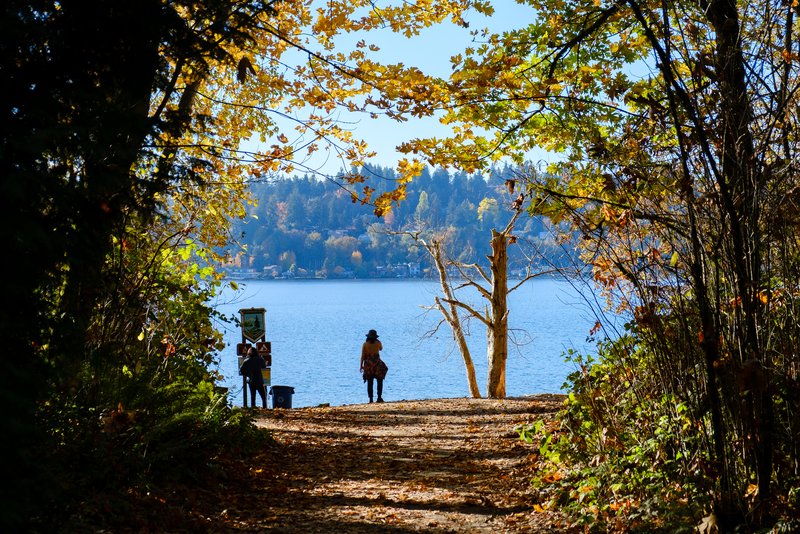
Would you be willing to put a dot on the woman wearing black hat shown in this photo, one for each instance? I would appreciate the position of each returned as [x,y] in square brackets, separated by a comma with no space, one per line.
[372,367]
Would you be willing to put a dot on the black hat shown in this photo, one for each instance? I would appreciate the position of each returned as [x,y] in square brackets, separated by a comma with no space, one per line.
[372,334]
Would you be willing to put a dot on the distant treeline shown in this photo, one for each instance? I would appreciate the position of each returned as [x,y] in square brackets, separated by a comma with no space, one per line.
[306,227]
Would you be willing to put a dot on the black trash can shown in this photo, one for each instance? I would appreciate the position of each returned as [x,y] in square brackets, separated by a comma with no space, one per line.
[281,396]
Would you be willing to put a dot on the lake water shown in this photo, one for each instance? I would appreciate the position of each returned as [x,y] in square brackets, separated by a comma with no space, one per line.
[317,327]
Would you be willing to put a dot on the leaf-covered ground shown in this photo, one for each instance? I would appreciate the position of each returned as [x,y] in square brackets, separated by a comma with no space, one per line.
[445,465]
[450,465]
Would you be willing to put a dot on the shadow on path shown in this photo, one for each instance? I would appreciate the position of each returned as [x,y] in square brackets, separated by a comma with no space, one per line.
[445,465]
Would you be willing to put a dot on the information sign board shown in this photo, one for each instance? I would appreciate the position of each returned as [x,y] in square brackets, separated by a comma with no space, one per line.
[264,349]
[253,323]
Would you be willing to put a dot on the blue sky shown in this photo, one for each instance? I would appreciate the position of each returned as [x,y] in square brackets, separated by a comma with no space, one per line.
[431,52]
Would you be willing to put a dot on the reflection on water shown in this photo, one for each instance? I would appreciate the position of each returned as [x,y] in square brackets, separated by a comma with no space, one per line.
[317,327]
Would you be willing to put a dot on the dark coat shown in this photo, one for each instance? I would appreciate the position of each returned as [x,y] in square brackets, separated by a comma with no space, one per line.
[251,368]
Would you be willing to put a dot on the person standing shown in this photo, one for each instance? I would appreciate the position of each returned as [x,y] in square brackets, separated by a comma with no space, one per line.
[251,368]
[372,367]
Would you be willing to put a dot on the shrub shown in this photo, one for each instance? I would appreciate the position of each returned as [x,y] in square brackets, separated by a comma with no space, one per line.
[622,455]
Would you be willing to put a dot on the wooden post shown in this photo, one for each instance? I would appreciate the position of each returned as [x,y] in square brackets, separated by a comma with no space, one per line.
[244,387]
[241,352]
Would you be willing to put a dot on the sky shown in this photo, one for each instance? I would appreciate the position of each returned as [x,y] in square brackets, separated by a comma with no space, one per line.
[431,52]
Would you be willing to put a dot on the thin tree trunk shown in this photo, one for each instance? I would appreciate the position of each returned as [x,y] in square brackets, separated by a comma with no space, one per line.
[741,189]
[461,341]
[452,319]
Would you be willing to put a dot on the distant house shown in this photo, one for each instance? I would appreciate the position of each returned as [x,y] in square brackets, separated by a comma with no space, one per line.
[341,272]
[399,270]
[241,274]
[271,271]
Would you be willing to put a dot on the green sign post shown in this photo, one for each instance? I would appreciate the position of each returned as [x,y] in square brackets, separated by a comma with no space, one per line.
[254,326]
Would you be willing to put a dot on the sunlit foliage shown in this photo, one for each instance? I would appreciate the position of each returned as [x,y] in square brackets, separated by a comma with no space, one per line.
[676,128]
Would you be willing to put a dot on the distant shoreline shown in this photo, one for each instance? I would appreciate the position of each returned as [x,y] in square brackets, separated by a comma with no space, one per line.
[549,276]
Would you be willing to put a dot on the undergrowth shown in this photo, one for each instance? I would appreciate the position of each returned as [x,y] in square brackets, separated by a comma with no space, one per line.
[99,459]
[619,456]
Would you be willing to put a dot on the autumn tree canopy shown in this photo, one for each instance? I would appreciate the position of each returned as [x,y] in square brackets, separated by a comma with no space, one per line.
[122,157]
[676,126]
[126,142]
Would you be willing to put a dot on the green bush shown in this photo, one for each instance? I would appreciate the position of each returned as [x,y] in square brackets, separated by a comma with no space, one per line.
[139,408]
[174,434]
[622,454]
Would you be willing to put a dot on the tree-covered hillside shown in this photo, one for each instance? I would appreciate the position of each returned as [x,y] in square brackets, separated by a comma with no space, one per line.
[306,227]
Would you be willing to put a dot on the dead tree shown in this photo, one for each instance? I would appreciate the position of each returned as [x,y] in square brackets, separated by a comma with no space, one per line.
[449,310]
[491,286]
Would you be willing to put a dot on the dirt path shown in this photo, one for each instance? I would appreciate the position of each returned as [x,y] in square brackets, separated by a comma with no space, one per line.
[448,465]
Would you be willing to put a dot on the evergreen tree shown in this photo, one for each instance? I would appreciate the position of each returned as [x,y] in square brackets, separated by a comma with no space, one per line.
[310,217]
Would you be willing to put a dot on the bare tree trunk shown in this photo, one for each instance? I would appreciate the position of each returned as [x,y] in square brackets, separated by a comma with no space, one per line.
[741,185]
[496,315]
[497,330]
[451,316]
[461,341]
